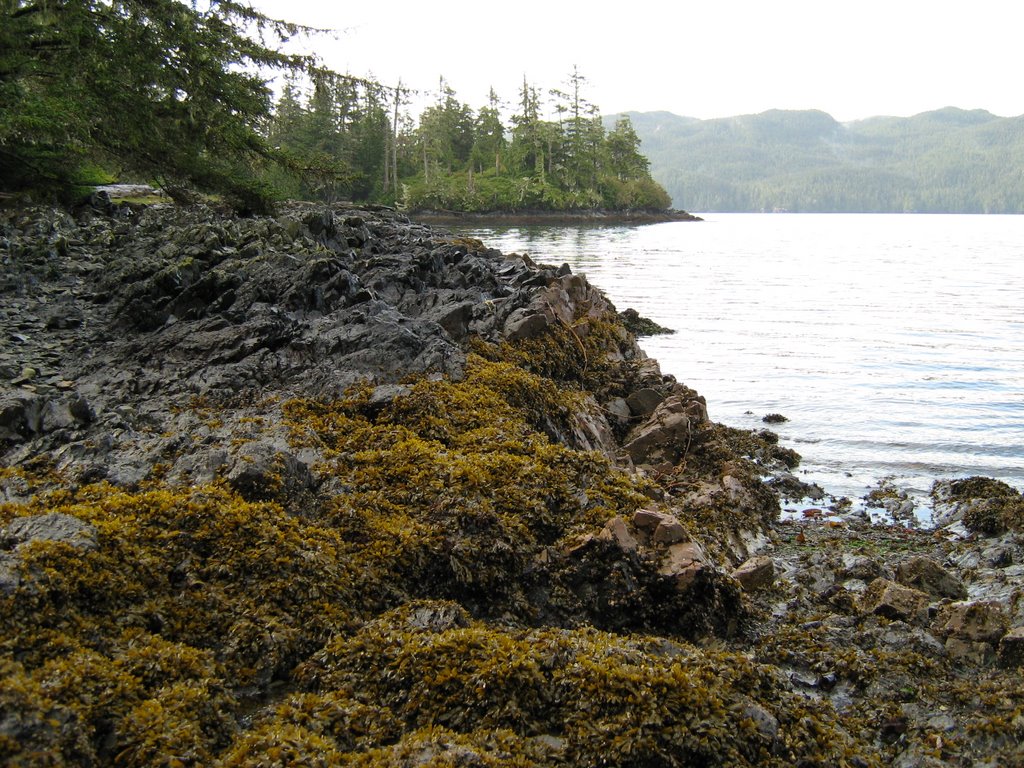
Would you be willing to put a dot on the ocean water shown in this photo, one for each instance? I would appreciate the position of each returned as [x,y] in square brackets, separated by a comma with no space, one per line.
[893,344]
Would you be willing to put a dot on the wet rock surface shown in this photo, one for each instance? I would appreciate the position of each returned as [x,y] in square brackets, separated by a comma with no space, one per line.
[334,486]
[887,624]
[115,326]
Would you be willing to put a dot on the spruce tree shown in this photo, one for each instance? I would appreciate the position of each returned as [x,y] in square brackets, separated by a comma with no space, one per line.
[148,89]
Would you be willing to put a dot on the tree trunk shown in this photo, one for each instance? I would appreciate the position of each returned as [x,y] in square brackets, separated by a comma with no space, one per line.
[394,137]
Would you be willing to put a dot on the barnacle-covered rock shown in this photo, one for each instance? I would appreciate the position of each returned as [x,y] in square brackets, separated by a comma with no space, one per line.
[55,527]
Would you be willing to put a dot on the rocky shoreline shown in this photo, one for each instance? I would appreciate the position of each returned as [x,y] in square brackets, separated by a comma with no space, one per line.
[337,488]
[550,218]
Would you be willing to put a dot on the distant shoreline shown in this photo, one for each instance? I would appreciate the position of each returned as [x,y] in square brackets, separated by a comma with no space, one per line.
[550,217]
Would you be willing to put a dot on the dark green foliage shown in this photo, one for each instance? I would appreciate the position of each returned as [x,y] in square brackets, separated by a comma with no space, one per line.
[336,138]
[342,142]
[153,90]
[162,91]
[566,165]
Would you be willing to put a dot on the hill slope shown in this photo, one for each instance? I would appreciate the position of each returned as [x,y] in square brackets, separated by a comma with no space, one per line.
[946,161]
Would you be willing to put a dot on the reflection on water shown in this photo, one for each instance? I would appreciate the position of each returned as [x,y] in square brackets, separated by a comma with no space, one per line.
[893,343]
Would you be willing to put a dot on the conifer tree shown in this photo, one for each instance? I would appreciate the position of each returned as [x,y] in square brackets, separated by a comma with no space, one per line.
[489,145]
[150,89]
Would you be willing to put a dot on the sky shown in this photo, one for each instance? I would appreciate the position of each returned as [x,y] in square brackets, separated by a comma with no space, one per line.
[717,58]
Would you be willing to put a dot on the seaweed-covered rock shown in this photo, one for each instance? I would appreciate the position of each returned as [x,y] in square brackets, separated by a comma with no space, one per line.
[336,488]
[641,326]
[985,505]
[577,696]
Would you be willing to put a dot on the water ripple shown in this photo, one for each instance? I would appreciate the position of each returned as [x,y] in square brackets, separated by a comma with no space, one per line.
[893,343]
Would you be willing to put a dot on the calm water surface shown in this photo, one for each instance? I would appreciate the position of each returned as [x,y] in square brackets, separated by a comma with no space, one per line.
[893,343]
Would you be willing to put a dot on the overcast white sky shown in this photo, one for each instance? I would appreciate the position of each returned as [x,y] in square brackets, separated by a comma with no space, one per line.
[711,59]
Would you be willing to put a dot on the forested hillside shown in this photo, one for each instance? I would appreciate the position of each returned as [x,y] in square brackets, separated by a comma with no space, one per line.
[949,160]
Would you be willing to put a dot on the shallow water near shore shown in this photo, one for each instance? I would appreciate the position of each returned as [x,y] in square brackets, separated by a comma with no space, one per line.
[893,344]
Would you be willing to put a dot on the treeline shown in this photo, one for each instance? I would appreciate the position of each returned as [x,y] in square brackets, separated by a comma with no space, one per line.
[176,94]
[945,161]
[350,138]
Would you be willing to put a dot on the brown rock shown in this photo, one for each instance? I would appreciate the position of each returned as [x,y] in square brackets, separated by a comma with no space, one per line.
[686,553]
[644,401]
[1011,648]
[669,532]
[525,324]
[928,576]
[666,435]
[974,652]
[971,622]
[683,563]
[616,530]
[894,601]
[756,573]
[663,527]
[649,519]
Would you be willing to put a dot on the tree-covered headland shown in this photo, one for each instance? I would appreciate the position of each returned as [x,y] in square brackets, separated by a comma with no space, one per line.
[351,138]
[180,95]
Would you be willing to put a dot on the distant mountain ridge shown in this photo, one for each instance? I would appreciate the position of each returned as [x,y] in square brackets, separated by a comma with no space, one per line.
[945,161]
